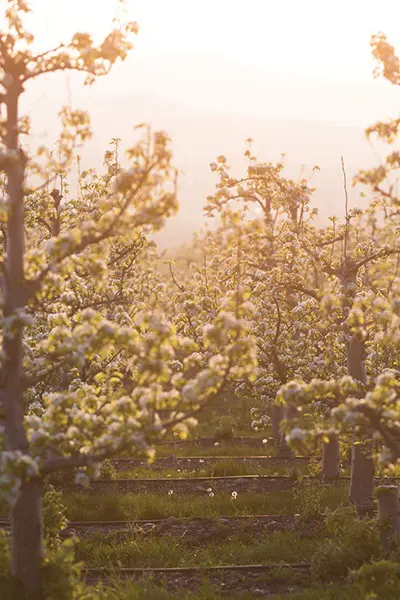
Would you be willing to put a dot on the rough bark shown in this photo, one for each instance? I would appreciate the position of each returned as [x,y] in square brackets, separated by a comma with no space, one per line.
[362,476]
[276,418]
[362,466]
[27,534]
[27,538]
[13,287]
[331,458]
[389,515]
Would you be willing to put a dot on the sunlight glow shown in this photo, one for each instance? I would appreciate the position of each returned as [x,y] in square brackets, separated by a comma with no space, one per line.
[309,38]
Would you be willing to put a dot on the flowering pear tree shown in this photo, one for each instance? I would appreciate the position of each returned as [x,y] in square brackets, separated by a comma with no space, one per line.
[276,220]
[20,286]
[356,306]
[372,313]
[86,362]
[379,409]
[198,290]
[316,290]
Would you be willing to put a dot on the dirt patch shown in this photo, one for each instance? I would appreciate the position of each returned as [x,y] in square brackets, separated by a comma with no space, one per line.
[260,581]
[198,530]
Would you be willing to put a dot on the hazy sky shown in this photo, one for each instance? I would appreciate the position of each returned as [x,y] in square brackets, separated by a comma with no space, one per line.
[296,75]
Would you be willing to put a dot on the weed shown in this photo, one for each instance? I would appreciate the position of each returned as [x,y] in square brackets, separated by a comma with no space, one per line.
[54,519]
[129,548]
[380,580]
[108,471]
[353,542]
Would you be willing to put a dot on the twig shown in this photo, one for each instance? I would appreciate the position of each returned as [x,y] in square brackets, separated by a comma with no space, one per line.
[346,208]
[181,288]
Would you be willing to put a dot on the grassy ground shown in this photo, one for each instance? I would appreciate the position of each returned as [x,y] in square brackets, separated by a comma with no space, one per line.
[227,448]
[220,469]
[333,592]
[109,507]
[239,427]
[130,549]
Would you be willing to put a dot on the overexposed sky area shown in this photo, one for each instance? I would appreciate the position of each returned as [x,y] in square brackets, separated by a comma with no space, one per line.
[296,75]
[311,38]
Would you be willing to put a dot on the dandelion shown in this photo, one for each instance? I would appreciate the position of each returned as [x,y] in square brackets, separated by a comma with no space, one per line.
[170,492]
[234,495]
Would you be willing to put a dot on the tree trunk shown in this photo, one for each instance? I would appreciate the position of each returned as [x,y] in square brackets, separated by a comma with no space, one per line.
[389,515]
[362,465]
[244,416]
[14,285]
[27,538]
[27,533]
[331,458]
[362,476]
[289,413]
[276,418]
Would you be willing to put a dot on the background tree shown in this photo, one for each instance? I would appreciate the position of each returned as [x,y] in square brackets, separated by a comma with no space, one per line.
[370,288]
